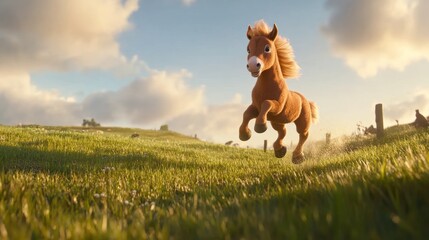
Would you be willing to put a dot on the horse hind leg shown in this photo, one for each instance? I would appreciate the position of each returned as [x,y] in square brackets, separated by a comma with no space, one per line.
[298,155]
[279,149]
[302,127]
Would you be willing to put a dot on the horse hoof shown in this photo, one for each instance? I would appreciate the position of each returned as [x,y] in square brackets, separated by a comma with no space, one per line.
[261,127]
[244,136]
[281,152]
[298,159]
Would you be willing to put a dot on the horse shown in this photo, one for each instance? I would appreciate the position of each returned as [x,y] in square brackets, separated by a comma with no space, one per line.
[271,60]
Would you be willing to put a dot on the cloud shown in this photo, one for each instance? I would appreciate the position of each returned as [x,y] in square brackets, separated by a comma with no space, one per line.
[218,123]
[162,97]
[404,111]
[63,35]
[374,35]
[188,2]
[155,99]
[22,102]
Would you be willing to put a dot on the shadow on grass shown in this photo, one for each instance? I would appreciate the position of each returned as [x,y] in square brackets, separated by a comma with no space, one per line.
[397,208]
[375,210]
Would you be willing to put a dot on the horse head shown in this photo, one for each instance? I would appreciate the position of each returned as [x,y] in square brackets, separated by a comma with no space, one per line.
[261,51]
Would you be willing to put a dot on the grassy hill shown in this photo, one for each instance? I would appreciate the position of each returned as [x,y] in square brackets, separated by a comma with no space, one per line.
[61,183]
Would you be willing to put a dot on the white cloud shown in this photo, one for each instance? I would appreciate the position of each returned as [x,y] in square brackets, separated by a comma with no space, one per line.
[53,35]
[155,99]
[374,35]
[22,102]
[404,111]
[62,35]
[218,123]
[188,2]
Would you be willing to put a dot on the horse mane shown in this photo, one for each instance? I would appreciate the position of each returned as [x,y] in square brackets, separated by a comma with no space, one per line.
[288,65]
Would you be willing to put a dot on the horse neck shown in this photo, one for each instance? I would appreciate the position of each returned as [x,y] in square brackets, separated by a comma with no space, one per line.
[273,75]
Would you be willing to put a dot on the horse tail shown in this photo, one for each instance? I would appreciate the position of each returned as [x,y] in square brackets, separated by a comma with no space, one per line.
[314,112]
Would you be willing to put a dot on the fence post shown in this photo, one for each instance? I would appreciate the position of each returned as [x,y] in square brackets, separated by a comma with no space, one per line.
[379,120]
[265,145]
[328,138]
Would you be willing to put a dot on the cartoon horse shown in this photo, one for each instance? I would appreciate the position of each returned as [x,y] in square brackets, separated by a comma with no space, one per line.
[270,59]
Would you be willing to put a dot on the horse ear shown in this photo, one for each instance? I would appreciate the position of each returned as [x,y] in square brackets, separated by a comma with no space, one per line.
[273,34]
[249,32]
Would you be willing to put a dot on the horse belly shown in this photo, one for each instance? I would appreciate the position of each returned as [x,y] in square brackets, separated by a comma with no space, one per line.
[282,117]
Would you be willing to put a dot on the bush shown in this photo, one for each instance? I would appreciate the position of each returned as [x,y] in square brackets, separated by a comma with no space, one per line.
[164,127]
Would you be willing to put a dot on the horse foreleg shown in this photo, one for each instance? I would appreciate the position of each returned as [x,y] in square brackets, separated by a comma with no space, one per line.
[250,113]
[279,149]
[266,107]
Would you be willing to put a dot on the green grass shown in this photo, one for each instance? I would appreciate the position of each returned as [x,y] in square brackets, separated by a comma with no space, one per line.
[62,183]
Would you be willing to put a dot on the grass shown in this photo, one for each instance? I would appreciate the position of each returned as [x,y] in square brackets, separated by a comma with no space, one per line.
[62,183]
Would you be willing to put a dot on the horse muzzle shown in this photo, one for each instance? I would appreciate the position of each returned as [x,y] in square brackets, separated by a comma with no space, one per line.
[255,66]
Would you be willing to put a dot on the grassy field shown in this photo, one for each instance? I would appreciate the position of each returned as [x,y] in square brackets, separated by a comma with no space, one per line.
[70,183]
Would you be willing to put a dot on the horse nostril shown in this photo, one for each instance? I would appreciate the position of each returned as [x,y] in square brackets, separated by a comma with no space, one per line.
[258,65]
[247,66]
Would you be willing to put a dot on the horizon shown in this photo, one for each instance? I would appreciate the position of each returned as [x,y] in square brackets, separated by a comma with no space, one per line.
[142,64]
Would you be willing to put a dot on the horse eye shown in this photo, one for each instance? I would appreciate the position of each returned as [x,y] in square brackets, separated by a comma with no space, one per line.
[267,48]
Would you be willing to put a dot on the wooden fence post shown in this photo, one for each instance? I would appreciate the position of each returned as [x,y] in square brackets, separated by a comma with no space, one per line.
[328,138]
[265,145]
[379,120]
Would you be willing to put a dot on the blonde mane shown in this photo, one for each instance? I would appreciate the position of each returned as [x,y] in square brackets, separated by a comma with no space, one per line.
[289,67]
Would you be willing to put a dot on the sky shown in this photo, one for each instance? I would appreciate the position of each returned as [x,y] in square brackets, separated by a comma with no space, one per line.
[147,63]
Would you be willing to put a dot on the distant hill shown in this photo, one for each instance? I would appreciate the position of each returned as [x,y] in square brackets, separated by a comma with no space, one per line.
[121,131]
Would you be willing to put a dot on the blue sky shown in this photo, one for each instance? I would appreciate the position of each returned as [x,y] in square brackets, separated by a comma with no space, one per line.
[146,63]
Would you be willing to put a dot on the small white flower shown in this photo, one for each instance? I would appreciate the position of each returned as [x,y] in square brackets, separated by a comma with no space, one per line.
[103,195]
[152,206]
[96,195]
[107,169]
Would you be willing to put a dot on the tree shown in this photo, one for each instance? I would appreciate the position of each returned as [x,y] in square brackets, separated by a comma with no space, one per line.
[85,123]
[164,127]
[90,123]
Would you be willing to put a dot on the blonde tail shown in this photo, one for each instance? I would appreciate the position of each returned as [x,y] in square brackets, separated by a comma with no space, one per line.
[314,112]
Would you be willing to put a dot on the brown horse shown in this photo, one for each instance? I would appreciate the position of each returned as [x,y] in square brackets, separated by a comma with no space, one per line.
[270,59]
